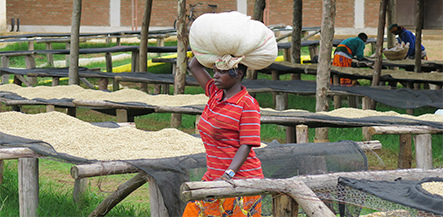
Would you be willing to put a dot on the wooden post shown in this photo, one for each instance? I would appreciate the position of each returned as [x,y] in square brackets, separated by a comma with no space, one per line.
[423,150]
[74,50]
[337,98]
[122,115]
[324,65]
[108,58]
[30,64]
[379,49]
[259,8]
[80,186]
[31,45]
[55,81]
[284,206]
[296,31]
[391,13]
[281,104]
[103,84]
[143,67]
[302,133]
[418,30]
[5,64]
[135,61]
[28,186]
[50,108]
[405,152]
[49,56]
[182,59]
[71,111]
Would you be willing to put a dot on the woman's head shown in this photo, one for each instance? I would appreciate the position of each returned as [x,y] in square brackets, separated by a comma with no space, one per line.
[395,29]
[363,36]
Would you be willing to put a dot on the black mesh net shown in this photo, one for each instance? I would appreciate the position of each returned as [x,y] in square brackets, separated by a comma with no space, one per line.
[278,161]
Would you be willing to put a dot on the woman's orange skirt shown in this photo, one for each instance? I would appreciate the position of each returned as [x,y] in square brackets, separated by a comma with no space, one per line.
[342,61]
[235,206]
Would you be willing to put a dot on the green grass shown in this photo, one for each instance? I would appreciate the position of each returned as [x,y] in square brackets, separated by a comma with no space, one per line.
[56,185]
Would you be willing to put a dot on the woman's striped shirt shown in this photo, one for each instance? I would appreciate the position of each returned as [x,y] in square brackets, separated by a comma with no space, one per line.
[226,125]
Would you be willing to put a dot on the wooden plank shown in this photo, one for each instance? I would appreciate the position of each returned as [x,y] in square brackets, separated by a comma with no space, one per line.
[28,186]
[102,168]
[87,83]
[377,130]
[16,153]
[248,187]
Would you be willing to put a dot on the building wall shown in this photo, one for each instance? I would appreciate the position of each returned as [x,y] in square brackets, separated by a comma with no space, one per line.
[96,13]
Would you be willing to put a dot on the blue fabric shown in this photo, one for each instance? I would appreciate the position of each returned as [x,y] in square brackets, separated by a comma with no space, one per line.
[407,36]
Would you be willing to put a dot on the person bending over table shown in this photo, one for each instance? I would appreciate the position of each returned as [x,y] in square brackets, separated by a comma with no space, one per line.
[229,127]
[346,51]
[406,36]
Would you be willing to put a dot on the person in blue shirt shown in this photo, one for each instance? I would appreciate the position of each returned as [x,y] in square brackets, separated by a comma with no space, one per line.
[346,51]
[406,36]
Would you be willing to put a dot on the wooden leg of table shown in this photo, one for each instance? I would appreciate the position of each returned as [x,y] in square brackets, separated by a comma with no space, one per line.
[71,111]
[50,108]
[55,81]
[337,99]
[176,120]
[284,205]
[405,151]
[302,132]
[28,186]
[80,186]
[103,84]
[423,150]
[122,115]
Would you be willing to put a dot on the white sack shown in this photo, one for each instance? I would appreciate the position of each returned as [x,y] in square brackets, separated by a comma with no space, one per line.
[228,38]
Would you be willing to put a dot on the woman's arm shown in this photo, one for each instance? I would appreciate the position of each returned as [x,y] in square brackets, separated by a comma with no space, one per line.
[199,72]
[239,158]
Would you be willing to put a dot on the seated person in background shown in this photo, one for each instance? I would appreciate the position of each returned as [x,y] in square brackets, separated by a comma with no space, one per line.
[406,36]
[344,53]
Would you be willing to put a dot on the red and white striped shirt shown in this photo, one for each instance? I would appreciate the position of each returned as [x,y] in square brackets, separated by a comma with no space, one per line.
[226,125]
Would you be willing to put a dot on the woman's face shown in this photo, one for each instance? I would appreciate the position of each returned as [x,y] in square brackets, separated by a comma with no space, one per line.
[223,79]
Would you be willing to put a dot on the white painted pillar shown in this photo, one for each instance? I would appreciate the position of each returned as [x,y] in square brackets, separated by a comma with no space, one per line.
[3,23]
[359,14]
[242,6]
[114,12]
